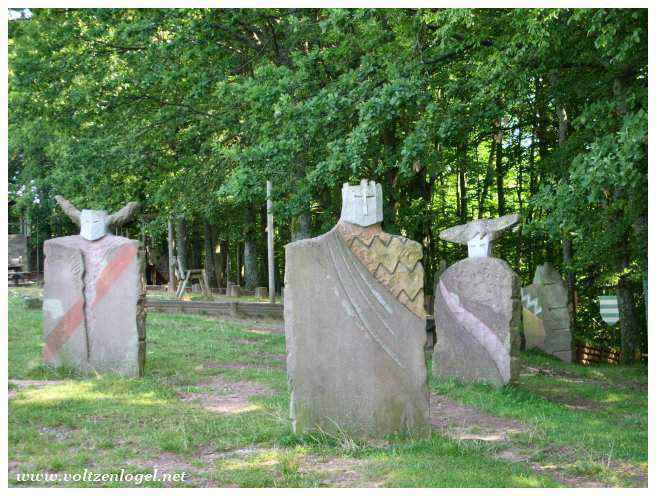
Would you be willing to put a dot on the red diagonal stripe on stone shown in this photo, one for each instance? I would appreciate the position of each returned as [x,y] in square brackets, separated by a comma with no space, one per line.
[113,270]
[64,330]
[75,315]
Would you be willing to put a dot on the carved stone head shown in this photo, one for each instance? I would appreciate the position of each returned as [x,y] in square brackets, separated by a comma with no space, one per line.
[362,204]
[94,224]
[480,234]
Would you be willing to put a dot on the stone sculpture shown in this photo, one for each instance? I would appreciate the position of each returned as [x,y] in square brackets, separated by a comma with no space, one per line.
[94,315]
[478,309]
[546,319]
[355,325]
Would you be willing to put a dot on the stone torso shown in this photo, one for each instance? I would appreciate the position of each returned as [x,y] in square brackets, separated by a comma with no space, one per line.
[394,261]
[92,294]
[355,351]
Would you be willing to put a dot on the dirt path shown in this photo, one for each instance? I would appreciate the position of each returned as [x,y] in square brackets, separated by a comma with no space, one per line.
[222,396]
[466,423]
[462,422]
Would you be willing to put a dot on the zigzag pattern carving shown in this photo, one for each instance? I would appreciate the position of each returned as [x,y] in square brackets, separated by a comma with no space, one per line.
[394,261]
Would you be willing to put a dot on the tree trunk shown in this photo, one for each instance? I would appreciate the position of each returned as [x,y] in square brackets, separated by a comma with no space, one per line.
[196,249]
[171,246]
[462,184]
[488,177]
[563,126]
[209,254]
[568,256]
[250,249]
[302,227]
[225,263]
[628,320]
[219,263]
[228,267]
[501,197]
[250,265]
[181,242]
[238,263]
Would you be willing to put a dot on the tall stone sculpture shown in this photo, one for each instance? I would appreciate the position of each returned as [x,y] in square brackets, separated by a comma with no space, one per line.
[355,325]
[478,309]
[545,316]
[93,296]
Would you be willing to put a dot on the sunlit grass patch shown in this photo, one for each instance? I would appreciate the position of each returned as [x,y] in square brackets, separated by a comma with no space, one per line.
[591,423]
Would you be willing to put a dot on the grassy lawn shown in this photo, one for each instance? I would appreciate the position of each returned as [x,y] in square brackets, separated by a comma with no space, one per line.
[214,404]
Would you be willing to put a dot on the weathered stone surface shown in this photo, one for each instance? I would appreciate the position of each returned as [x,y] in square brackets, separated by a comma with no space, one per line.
[533,330]
[478,322]
[234,291]
[355,354]
[17,252]
[393,260]
[355,326]
[93,304]
[490,228]
[261,292]
[546,316]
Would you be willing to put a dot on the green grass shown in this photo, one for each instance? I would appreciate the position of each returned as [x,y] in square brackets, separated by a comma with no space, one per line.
[108,423]
[595,417]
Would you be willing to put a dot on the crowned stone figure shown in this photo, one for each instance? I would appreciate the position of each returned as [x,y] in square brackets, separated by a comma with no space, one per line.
[355,325]
[93,296]
[478,313]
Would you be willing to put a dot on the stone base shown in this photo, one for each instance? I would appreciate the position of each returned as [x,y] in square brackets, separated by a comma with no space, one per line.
[478,322]
[261,292]
[234,291]
[94,319]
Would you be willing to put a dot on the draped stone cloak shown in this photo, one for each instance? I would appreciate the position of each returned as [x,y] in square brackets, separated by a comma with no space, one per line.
[355,333]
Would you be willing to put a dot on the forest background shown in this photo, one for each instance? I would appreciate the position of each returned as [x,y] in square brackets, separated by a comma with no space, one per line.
[460,114]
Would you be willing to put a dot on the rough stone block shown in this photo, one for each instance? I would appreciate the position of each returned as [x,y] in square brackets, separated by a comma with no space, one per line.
[93,305]
[546,314]
[355,347]
[478,321]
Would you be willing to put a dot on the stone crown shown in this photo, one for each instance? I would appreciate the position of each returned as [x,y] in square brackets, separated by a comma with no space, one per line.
[362,204]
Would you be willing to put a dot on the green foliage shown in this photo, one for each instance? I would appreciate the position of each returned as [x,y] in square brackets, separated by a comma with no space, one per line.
[458,113]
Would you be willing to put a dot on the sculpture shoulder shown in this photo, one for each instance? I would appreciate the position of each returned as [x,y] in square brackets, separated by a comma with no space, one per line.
[309,243]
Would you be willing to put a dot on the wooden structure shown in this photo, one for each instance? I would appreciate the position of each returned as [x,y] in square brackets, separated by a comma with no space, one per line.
[239,309]
[193,275]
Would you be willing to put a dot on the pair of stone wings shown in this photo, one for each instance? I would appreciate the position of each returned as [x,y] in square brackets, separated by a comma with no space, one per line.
[113,220]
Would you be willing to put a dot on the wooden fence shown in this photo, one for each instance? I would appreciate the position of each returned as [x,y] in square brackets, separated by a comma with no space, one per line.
[217,308]
[219,291]
[588,355]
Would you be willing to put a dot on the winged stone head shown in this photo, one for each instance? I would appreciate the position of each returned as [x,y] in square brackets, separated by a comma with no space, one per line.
[94,224]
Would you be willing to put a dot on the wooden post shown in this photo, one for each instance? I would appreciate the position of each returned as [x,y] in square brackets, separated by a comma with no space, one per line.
[272,281]
[171,286]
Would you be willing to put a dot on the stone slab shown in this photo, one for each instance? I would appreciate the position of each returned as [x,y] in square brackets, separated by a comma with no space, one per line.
[565,356]
[477,319]
[93,304]
[558,341]
[533,330]
[355,353]
[546,301]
